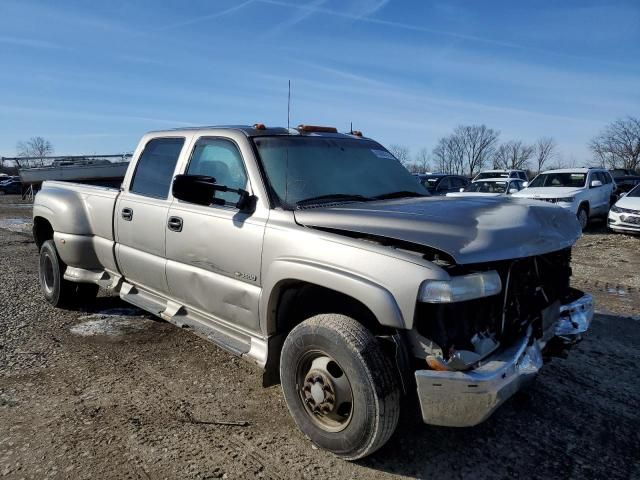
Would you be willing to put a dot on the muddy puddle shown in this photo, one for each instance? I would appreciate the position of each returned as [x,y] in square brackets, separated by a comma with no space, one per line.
[114,322]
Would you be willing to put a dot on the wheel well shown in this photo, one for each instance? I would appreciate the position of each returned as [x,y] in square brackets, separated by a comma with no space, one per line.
[297,301]
[42,230]
[584,205]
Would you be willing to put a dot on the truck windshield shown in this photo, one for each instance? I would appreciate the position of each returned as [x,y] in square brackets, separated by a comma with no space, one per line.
[301,170]
[562,179]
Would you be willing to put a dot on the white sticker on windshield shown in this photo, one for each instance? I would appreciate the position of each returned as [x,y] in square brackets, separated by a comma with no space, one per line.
[383,154]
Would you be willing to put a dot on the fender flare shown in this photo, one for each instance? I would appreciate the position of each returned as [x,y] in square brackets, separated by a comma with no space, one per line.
[377,298]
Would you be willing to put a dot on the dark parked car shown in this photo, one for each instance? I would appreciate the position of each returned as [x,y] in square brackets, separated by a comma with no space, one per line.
[441,183]
[625,179]
[10,186]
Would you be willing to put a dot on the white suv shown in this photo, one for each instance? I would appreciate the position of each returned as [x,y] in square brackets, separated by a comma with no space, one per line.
[585,191]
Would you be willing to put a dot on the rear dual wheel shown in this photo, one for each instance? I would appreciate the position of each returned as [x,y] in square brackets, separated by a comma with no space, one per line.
[339,385]
[58,291]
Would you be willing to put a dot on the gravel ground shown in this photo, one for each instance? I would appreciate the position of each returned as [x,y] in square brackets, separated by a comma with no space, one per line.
[109,392]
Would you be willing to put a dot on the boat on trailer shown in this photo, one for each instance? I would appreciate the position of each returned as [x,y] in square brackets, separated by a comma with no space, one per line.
[98,169]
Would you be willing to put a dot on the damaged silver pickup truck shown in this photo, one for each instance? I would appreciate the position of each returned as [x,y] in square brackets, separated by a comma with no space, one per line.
[319,257]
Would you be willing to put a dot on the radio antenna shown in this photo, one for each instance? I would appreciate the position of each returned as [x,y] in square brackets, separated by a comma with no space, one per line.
[351,128]
[289,105]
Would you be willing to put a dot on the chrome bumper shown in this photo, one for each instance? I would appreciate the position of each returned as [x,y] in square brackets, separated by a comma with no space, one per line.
[464,399]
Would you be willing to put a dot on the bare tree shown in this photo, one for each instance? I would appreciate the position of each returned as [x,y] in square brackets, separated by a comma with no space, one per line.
[35,147]
[422,161]
[478,144]
[545,151]
[401,152]
[618,145]
[513,154]
[467,149]
[449,155]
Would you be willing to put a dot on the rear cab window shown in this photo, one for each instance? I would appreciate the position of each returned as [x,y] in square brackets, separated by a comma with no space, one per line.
[155,168]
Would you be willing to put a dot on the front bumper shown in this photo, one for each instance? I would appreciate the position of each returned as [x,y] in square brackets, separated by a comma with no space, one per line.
[464,399]
[624,222]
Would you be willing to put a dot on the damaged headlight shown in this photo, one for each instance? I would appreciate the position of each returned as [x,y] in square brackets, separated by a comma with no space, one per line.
[459,289]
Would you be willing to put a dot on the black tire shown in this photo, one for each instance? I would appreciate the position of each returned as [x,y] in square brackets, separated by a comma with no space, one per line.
[371,415]
[583,217]
[58,291]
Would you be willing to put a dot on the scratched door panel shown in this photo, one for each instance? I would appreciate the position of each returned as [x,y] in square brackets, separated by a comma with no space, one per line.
[214,262]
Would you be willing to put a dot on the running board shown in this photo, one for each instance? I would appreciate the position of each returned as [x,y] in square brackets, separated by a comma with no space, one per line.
[223,334]
[142,299]
[100,277]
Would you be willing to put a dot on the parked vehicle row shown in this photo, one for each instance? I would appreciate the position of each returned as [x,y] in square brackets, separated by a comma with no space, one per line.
[587,192]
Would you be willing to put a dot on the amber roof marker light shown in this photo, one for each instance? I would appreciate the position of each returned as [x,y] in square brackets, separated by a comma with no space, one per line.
[259,126]
[316,128]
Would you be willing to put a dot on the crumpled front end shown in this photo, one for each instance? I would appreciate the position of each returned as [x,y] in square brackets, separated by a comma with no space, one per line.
[480,352]
[467,398]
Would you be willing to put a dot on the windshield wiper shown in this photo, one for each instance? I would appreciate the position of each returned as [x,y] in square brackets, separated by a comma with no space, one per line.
[399,194]
[332,197]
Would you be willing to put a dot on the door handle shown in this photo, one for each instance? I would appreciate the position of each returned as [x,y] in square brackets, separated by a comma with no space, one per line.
[175,224]
[127,214]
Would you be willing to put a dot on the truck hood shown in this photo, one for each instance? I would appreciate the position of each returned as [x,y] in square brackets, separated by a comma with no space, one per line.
[548,192]
[471,230]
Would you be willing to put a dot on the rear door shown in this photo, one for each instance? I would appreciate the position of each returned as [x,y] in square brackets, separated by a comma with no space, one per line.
[140,216]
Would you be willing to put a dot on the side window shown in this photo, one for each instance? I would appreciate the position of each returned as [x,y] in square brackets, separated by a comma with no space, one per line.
[457,182]
[155,167]
[444,184]
[220,159]
[598,176]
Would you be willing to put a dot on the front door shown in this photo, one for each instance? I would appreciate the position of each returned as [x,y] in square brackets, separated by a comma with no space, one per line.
[141,215]
[214,252]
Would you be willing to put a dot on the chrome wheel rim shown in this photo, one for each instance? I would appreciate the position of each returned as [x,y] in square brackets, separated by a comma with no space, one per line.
[325,391]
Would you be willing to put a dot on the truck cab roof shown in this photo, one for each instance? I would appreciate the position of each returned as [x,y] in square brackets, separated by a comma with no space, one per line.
[259,130]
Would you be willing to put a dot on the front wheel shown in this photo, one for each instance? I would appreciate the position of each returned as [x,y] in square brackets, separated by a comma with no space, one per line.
[583,217]
[339,385]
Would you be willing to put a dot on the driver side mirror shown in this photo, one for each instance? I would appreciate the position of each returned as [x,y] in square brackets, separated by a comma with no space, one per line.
[461,190]
[525,184]
[201,190]
[513,190]
[596,183]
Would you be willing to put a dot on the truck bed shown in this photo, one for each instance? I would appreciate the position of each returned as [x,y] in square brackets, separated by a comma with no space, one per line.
[82,218]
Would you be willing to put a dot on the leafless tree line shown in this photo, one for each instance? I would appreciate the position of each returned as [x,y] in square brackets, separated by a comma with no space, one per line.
[472,148]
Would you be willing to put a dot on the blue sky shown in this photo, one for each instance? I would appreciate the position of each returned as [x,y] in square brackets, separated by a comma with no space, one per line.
[93,76]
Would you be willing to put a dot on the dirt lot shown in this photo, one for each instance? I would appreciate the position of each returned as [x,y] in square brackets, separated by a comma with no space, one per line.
[111,393]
